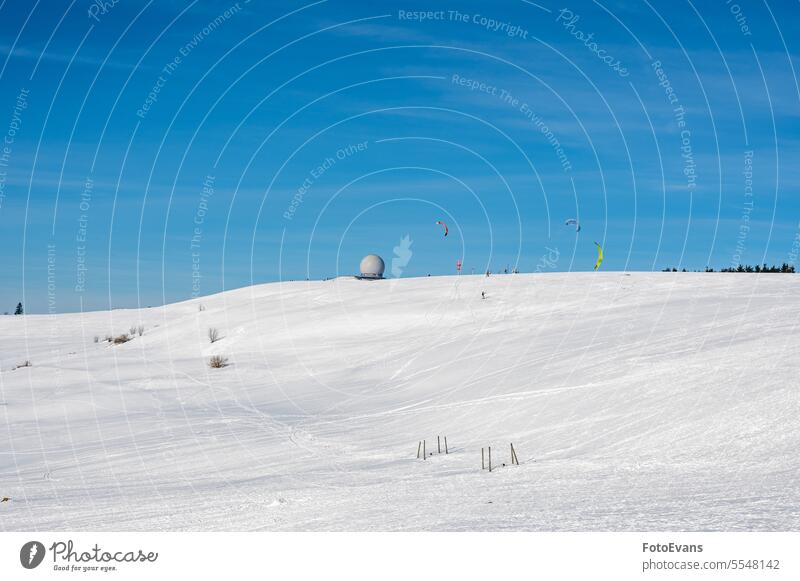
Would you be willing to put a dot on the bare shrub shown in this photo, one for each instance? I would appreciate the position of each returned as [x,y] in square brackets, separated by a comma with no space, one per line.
[25,363]
[140,330]
[201,308]
[132,330]
[213,335]
[96,339]
[218,361]
[119,339]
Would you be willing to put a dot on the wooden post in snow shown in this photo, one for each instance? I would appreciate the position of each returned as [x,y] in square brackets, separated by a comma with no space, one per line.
[483,462]
[424,451]
[490,458]
[445,445]
[438,445]
[419,447]
[514,459]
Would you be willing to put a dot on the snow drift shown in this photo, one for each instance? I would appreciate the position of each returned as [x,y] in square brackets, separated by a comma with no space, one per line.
[642,401]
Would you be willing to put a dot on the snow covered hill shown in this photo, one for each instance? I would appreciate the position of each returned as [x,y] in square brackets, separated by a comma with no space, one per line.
[642,401]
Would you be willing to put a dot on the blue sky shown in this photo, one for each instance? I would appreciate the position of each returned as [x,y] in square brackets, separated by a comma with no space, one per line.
[154,151]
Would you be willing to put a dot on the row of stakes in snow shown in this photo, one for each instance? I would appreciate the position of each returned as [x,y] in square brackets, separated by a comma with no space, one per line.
[514,459]
[422,452]
[423,449]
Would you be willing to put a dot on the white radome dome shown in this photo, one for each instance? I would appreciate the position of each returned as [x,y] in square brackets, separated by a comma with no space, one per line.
[372,266]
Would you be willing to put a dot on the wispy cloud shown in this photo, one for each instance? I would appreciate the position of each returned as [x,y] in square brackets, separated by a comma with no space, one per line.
[59,57]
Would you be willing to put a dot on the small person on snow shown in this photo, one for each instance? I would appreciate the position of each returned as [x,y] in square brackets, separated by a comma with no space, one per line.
[483,294]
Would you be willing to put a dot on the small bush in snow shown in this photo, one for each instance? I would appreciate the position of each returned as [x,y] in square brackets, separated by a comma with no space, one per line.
[140,330]
[96,339]
[121,339]
[25,363]
[218,361]
[132,331]
[201,308]
[213,335]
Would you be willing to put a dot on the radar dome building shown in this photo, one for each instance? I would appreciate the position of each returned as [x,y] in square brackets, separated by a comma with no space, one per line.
[372,266]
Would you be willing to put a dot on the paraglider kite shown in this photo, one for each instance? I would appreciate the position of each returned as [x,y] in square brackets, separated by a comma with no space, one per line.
[599,256]
[573,222]
[446,230]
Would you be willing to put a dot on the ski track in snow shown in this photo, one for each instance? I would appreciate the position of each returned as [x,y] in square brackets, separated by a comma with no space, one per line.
[641,401]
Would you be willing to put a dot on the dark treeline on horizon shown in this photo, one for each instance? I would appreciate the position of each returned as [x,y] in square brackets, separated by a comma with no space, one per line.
[783,268]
